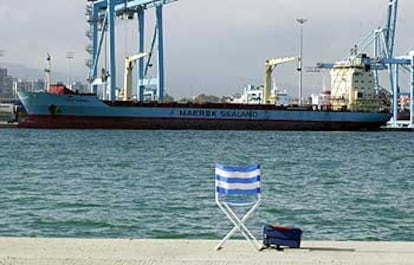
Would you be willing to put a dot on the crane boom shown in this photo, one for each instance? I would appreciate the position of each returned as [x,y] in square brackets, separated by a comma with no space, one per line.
[270,65]
[130,62]
[391,27]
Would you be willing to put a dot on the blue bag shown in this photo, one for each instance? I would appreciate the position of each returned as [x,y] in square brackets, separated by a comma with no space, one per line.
[281,236]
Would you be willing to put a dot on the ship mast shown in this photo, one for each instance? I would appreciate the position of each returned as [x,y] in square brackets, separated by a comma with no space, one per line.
[48,71]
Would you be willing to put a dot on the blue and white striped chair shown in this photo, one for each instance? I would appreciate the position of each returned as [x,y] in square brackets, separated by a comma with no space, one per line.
[238,186]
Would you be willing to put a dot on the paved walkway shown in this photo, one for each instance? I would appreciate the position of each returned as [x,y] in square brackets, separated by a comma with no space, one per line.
[198,252]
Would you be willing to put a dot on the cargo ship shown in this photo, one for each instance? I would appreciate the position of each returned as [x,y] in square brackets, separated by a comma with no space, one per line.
[350,107]
[65,109]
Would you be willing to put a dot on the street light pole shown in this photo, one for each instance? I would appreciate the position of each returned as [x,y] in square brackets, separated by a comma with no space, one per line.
[69,56]
[301,21]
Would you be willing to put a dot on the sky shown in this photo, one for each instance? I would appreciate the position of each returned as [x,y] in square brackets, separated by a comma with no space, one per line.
[211,46]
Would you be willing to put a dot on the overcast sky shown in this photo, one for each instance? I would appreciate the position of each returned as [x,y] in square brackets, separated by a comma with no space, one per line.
[211,46]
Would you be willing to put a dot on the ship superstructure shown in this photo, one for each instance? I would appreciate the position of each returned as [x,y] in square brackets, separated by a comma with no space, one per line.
[352,86]
[382,43]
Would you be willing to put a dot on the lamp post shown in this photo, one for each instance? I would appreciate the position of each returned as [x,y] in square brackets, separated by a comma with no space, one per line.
[69,56]
[301,21]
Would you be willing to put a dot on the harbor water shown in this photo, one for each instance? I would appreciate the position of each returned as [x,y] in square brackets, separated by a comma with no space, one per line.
[160,184]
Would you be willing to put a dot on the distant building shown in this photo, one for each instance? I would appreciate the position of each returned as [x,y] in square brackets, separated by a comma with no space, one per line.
[31,85]
[6,84]
[80,87]
[3,73]
[9,85]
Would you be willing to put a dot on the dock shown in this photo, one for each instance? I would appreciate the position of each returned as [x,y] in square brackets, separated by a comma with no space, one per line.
[397,129]
[48,251]
[8,125]
[404,126]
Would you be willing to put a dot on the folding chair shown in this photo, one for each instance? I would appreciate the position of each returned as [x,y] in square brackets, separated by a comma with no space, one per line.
[238,186]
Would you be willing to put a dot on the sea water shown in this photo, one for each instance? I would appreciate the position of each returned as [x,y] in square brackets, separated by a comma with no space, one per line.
[160,184]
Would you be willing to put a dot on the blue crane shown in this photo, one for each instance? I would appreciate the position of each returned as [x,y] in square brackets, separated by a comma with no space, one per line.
[383,41]
[390,28]
[102,16]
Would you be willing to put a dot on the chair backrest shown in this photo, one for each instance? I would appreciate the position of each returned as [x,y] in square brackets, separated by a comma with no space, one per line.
[237,181]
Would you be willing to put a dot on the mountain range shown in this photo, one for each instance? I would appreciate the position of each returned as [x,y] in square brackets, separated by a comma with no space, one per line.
[27,73]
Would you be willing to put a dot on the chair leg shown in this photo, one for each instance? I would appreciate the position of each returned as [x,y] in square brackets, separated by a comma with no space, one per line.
[240,222]
[251,239]
[239,226]
[233,230]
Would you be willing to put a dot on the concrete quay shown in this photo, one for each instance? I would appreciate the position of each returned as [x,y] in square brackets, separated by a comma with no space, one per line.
[48,251]
[8,125]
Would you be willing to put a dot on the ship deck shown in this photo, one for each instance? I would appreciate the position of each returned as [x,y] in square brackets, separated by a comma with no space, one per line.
[210,105]
[204,105]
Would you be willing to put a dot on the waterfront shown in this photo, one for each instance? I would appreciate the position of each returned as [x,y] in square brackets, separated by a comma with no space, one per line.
[159,184]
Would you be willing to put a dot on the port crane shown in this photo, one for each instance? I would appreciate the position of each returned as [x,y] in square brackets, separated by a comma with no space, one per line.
[382,40]
[101,16]
[130,62]
[270,66]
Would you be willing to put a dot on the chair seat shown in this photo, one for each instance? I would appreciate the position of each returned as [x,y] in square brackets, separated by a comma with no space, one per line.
[239,203]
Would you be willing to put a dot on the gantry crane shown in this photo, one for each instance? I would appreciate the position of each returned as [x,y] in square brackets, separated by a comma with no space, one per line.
[270,66]
[390,28]
[383,41]
[101,16]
